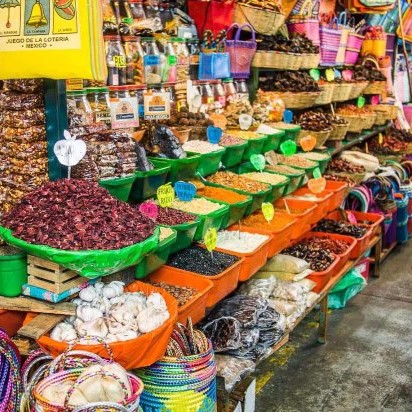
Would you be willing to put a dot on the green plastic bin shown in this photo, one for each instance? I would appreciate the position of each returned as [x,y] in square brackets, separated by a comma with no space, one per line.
[157,258]
[213,219]
[296,180]
[209,162]
[233,155]
[120,187]
[180,169]
[236,211]
[308,170]
[258,198]
[254,146]
[185,235]
[322,163]
[291,130]
[147,183]
[273,141]
[13,274]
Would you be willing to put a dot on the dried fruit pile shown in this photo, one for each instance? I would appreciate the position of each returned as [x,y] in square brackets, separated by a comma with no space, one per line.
[340,165]
[335,246]
[314,121]
[182,294]
[199,260]
[296,43]
[77,215]
[341,227]
[368,73]
[285,81]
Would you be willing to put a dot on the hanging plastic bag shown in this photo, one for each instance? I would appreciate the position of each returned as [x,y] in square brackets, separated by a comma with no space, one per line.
[348,287]
[56,40]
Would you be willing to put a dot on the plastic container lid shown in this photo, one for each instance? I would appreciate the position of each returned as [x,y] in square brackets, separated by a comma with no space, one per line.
[97,90]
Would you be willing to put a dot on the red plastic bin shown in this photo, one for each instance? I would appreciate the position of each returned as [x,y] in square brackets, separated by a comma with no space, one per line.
[255,260]
[322,278]
[338,189]
[375,218]
[361,243]
[281,238]
[196,307]
[343,257]
[306,218]
[323,200]
[223,284]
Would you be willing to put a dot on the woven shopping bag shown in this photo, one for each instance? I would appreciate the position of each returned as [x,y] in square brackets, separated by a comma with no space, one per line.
[330,36]
[305,23]
[241,52]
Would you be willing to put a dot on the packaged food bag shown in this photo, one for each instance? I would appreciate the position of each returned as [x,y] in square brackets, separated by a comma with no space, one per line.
[54,39]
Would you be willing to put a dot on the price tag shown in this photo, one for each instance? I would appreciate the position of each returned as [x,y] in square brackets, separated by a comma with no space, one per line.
[330,75]
[317,185]
[288,116]
[338,74]
[149,209]
[156,106]
[268,211]
[351,217]
[214,134]
[347,75]
[380,138]
[165,195]
[245,121]
[288,147]
[315,74]
[361,102]
[210,239]
[375,100]
[258,161]
[307,143]
[185,191]
[316,173]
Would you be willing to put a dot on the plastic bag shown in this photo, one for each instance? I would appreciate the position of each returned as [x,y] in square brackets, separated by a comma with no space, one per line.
[269,337]
[258,287]
[268,319]
[286,276]
[288,291]
[146,349]
[224,332]
[19,101]
[23,119]
[348,287]
[306,284]
[62,44]
[232,369]
[249,339]
[285,263]
[89,263]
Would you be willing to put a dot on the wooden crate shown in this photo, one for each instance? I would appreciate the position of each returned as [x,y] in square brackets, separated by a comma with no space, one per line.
[51,276]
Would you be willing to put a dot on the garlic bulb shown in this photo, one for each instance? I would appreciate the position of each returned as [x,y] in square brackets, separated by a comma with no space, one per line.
[96,327]
[86,313]
[63,332]
[88,294]
[101,303]
[113,289]
[156,300]
[150,319]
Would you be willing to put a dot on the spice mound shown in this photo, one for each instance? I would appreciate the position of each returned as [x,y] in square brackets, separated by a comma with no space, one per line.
[199,146]
[170,217]
[335,246]
[240,242]
[77,215]
[235,181]
[271,178]
[222,195]
[230,140]
[199,260]
[197,206]
[279,222]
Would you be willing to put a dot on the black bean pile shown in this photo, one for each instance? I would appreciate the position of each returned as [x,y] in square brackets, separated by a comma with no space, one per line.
[340,227]
[199,260]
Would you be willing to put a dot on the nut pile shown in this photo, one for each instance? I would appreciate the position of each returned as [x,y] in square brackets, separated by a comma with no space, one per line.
[337,178]
[297,161]
[230,140]
[199,206]
[318,259]
[234,109]
[313,121]
[341,227]
[182,294]
[315,156]
[335,246]
[239,182]
[288,81]
[297,43]
[186,118]
[340,165]
[271,178]
[199,260]
[284,170]
[240,242]
[200,146]
[77,215]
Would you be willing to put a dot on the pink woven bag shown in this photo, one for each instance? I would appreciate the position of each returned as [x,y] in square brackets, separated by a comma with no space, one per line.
[305,23]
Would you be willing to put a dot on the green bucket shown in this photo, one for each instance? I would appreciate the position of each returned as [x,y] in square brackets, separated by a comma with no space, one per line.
[13,274]
[180,169]
[147,183]
[157,258]
[119,187]
[233,155]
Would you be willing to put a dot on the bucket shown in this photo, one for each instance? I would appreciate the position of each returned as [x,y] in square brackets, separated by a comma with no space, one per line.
[13,274]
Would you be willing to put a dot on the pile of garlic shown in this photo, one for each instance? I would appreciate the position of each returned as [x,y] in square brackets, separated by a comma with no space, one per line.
[105,311]
[96,387]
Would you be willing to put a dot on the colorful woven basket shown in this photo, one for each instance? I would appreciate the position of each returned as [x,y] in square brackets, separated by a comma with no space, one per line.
[180,384]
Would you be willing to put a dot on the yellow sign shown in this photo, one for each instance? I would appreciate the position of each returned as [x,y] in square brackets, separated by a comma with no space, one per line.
[210,239]
[268,211]
[165,195]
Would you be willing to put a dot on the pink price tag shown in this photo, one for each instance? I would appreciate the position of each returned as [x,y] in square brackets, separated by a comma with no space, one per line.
[149,209]
[351,218]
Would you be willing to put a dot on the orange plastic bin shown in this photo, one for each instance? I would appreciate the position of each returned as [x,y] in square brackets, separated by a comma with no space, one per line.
[322,278]
[374,220]
[196,307]
[338,189]
[307,217]
[281,237]
[254,260]
[223,284]
[322,200]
